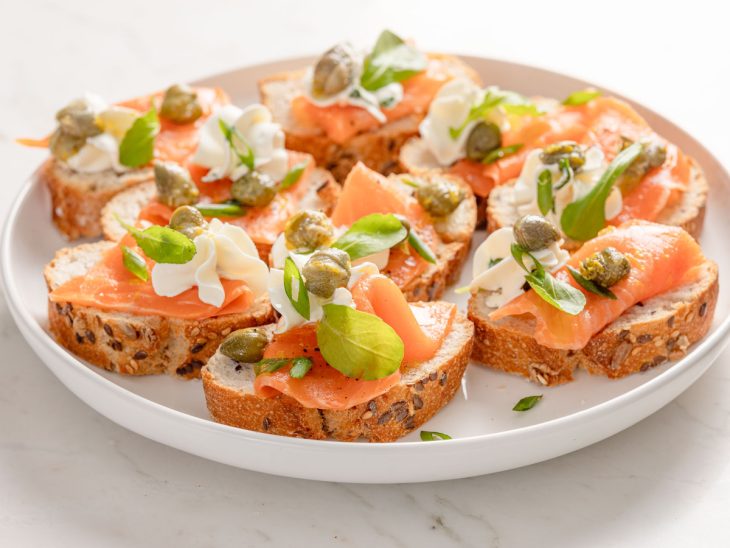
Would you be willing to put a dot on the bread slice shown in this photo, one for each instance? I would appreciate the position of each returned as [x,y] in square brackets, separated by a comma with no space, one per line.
[127,205]
[688,212]
[422,391]
[455,232]
[77,198]
[377,149]
[647,334]
[134,344]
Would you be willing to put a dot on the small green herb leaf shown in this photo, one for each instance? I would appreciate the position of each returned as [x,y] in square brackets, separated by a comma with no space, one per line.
[232,135]
[300,367]
[567,172]
[477,112]
[590,285]
[433,436]
[501,152]
[371,234]
[527,403]
[221,210]
[410,183]
[135,263]
[392,60]
[518,252]
[293,175]
[581,97]
[269,365]
[581,220]
[138,144]
[421,247]
[301,301]
[524,109]
[545,191]
[359,345]
[162,244]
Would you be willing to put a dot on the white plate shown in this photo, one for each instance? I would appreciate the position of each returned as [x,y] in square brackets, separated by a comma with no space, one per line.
[488,435]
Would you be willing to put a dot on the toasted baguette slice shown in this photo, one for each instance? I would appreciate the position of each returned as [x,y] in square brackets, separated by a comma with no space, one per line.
[455,232]
[377,149]
[133,344]
[77,198]
[646,335]
[422,391]
[688,213]
[323,191]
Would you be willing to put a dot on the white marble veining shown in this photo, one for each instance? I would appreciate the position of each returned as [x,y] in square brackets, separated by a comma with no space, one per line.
[70,477]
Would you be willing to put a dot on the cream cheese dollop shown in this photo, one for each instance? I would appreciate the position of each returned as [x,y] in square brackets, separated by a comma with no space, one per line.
[255,126]
[222,251]
[504,280]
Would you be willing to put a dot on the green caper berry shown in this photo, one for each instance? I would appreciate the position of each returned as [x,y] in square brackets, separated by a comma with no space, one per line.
[188,220]
[77,119]
[63,145]
[180,105]
[533,232]
[653,154]
[483,139]
[606,267]
[175,187]
[325,271]
[308,230]
[255,189]
[245,345]
[439,196]
[570,150]
[333,73]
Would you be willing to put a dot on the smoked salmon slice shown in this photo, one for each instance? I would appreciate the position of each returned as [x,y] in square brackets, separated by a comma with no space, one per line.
[662,258]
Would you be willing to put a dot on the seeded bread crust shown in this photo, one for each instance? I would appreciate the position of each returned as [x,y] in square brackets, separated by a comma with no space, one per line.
[688,212]
[78,198]
[421,393]
[132,344]
[647,335]
[377,149]
[128,204]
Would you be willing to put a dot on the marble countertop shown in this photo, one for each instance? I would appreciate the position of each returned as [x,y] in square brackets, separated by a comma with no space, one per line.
[70,477]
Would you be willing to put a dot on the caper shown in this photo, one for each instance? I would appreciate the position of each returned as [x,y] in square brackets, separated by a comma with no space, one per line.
[308,230]
[653,154]
[255,189]
[325,271]
[533,232]
[439,196]
[483,139]
[334,72]
[180,105]
[175,188]
[77,119]
[245,345]
[188,220]
[570,150]
[63,145]
[606,267]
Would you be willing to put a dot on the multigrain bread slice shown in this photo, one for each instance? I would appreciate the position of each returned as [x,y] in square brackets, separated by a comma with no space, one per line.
[135,344]
[422,391]
[377,149]
[77,198]
[322,191]
[688,212]
[455,232]
[648,334]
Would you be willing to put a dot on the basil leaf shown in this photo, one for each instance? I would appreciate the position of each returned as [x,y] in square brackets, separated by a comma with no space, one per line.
[371,234]
[518,252]
[357,344]
[392,60]
[300,367]
[567,172]
[420,247]
[135,263]
[433,436]
[527,403]
[581,97]
[162,244]
[477,112]
[590,285]
[293,175]
[501,152]
[138,144]
[301,302]
[557,293]
[269,365]
[232,134]
[221,210]
[581,220]
[545,191]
